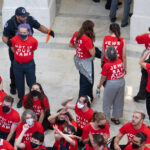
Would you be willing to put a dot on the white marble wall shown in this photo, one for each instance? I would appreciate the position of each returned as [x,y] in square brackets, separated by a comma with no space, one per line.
[140,20]
[43,10]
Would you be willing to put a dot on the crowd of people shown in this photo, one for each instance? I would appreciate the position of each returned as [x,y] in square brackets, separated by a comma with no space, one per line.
[91,128]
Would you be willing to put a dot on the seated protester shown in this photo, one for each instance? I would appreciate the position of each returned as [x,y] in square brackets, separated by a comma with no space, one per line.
[97,142]
[5,145]
[37,101]
[83,111]
[138,142]
[9,119]
[2,93]
[130,129]
[62,118]
[36,141]
[97,126]
[67,139]
[28,117]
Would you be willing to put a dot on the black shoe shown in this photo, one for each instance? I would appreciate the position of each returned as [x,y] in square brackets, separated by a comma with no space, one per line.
[107,7]
[119,3]
[96,1]
[130,14]
[124,25]
[13,91]
[138,98]
[113,19]
[19,104]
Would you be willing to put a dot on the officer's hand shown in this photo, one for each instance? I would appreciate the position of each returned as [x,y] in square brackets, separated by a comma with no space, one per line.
[52,33]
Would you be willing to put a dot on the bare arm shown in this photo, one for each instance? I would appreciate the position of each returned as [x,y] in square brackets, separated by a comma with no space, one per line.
[72,46]
[116,141]
[65,103]
[41,116]
[5,39]
[92,51]
[124,58]
[12,131]
[102,54]
[103,78]
[43,29]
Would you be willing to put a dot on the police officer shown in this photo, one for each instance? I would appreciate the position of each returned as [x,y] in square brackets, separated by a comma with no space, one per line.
[10,29]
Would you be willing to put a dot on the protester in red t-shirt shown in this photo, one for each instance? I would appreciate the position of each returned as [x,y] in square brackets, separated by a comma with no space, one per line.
[2,93]
[97,126]
[147,67]
[84,113]
[36,141]
[23,46]
[28,117]
[5,145]
[82,41]
[37,101]
[9,119]
[113,71]
[131,128]
[67,139]
[138,142]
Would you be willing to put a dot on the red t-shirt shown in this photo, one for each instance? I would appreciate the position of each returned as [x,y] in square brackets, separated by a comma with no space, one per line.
[82,118]
[130,131]
[24,48]
[91,148]
[144,39]
[129,147]
[148,81]
[27,136]
[89,129]
[113,70]
[2,95]
[37,105]
[28,147]
[6,120]
[113,41]
[83,46]
[5,145]
[71,147]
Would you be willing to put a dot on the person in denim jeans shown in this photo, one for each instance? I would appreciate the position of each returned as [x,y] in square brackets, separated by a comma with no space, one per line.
[23,46]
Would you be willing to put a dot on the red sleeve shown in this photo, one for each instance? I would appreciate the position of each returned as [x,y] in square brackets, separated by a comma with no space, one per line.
[13,41]
[18,130]
[147,132]
[88,43]
[148,67]
[85,133]
[17,117]
[124,128]
[24,99]
[76,145]
[74,123]
[46,103]
[73,38]
[107,129]
[40,128]
[141,39]
[105,70]
[35,44]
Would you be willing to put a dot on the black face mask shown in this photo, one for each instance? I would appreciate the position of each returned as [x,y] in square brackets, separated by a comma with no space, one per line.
[33,145]
[135,146]
[35,93]
[101,126]
[65,132]
[61,121]
[6,109]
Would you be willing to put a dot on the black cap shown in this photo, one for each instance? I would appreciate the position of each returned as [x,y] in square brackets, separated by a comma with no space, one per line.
[21,11]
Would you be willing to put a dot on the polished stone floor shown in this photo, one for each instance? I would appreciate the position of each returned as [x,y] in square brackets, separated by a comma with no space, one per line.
[55,68]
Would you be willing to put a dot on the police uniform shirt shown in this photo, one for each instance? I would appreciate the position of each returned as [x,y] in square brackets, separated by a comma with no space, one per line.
[11,26]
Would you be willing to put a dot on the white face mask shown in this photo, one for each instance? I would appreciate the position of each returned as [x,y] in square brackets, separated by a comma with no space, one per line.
[29,121]
[80,106]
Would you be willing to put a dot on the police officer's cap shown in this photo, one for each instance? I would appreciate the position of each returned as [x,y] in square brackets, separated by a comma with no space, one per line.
[21,11]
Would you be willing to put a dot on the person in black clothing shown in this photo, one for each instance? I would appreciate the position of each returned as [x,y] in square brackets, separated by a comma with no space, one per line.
[10,29]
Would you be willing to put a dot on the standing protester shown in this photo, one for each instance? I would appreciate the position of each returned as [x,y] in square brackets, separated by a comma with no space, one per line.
[9,119]
[147,67]
[113,71]
[116,41]
[143,39]
[23,46]
[10,30]
[37,101]
[2,93]
[82,41]
[130,129]
[5,145]
[138,142]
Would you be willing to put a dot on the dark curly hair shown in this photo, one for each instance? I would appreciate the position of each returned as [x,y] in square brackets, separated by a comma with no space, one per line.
[29,103]
[87,29]
[115,28]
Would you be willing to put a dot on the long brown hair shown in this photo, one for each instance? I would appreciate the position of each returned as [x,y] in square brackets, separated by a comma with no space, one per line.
[87,29]
[29,100]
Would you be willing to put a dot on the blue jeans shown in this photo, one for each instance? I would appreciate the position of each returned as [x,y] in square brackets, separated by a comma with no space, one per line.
[21,71]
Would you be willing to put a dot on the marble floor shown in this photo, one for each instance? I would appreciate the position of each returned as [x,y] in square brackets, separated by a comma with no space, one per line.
[55,68]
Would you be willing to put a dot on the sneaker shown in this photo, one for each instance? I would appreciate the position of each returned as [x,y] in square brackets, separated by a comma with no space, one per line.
[113,19]
[13,91]
[19,104]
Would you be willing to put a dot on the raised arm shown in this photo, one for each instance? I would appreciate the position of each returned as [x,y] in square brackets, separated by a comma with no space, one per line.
[65,103]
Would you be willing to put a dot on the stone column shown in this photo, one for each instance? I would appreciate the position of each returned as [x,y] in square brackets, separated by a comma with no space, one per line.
[140,20]
[42,10]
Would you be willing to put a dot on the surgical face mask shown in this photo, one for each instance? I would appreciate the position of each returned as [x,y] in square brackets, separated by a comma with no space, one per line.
[101,126]
[80,106]
[35,93]
[29,121]
[5,109]
[23,36]
[33,145]
[135,146]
